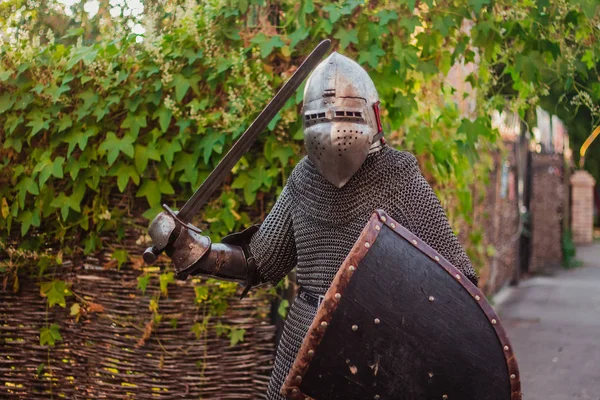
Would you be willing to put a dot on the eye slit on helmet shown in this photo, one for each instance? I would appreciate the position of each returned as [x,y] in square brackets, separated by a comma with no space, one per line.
[321,115]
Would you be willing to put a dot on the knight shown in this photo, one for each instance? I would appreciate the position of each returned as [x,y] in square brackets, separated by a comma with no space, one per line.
[349,171]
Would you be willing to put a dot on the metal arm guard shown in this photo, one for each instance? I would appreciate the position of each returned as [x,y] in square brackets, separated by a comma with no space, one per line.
[230,260]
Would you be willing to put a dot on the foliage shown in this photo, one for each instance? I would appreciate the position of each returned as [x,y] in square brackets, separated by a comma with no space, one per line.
[87,119]
[569,251]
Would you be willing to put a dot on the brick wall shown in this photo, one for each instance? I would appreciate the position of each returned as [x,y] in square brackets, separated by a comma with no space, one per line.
[582,219]
[546,211]
[501,222]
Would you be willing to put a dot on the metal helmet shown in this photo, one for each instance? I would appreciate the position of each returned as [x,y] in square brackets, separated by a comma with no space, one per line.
[341,118]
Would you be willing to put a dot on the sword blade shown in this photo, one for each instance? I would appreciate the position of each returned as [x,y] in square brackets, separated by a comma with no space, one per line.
[243,144]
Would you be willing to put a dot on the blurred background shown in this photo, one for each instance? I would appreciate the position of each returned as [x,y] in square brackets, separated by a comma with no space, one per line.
[110,108]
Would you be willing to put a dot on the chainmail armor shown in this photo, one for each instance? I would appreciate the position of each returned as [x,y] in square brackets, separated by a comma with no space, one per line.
[313,225]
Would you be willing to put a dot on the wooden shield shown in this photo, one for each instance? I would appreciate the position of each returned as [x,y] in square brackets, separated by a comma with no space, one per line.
[400,322]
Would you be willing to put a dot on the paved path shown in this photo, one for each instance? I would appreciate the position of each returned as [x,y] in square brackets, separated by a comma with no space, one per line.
[553,323]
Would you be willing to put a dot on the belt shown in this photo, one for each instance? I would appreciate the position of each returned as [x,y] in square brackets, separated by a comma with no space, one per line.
[311,298]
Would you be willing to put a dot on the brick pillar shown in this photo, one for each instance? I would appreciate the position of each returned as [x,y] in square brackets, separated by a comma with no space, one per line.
[582,207]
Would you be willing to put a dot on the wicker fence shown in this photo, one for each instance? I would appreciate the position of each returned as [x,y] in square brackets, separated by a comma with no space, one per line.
[103,356]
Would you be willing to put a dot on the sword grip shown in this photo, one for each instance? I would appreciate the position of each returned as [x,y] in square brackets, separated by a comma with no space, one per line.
[151,255]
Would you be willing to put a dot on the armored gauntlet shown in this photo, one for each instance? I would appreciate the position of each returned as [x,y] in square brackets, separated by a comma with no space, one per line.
[194,254]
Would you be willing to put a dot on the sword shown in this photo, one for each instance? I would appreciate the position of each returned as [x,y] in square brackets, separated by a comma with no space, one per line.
[241,147]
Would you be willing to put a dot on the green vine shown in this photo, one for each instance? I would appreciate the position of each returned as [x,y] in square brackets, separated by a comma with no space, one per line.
[95,112]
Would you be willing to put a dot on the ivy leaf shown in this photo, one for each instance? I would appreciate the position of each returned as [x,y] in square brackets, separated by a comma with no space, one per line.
[267,44]
[49,336]
[75,310]
[143,283]
[182,84]
[346,37]
[478,4]
[89,98]
[12,122]
[150,190]
[28,219]
[55,291]
[112,146]
[164,280]
[55,91]
[124,173]
[168,150]
[410,23]
[37,122]
[164,116]
[297,36]
[48,168]
[334,12]
[6,101]
[78,138]
[92,243]
[283,308]
[472,129]
[134,122]
[236,336]
[121,256]
[201,294]
[371,56]
[5,74]
[212,143]
[64,123]
[143,154]
[86,54]
[385,16]
[24,186]
[73,202]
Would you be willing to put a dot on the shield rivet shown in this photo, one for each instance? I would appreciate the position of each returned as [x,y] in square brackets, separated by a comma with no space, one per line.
[457,276]
[431,298]
[377,227]
[477,297]
[377,321]
[377,397]
[311,353]
[431,374]
[338,296]
[294,391]
[298,378]
[436,258]
[324,324]
[191,246]
[367,245]
[513,376]
[494,322]
[352,268]
[383,218]
[414,242]
[506,348]
[445,396]
[393,225]
[354,328]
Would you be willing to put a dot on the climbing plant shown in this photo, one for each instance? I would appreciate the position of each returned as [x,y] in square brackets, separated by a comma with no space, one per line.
[95,111]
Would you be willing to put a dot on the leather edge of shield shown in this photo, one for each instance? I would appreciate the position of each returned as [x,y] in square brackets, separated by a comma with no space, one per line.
[291,387]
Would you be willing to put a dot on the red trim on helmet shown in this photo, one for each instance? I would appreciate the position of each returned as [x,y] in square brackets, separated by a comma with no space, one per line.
[377,117]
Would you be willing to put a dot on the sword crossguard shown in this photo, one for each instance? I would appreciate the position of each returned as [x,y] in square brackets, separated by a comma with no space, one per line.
[176,218]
